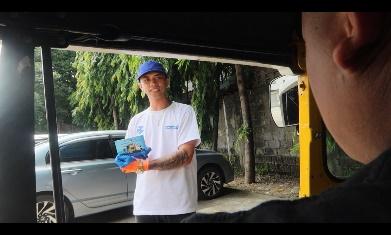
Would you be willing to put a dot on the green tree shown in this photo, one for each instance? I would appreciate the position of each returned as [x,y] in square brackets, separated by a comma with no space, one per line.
[205,79]
[249,158]
[40,124]
[107,93]
[64,84]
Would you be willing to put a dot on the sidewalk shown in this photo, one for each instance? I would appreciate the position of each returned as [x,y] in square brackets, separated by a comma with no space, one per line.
[233,200]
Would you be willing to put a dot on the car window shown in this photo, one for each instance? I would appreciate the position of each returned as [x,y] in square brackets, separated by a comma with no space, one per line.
[113,139]
[103,149]
[78,151]
[86,150]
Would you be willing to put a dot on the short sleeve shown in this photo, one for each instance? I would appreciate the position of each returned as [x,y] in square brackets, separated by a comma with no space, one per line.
[130,132]
[188,128]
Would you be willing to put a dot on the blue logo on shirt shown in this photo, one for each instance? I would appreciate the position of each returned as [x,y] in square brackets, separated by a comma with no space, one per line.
[140,130]
[172,127]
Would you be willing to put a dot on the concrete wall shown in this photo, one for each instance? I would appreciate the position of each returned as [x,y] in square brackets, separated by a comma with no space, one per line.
[272,144]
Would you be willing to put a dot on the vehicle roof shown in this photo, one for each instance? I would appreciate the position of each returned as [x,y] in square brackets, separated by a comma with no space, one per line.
[261,37]
[74,136]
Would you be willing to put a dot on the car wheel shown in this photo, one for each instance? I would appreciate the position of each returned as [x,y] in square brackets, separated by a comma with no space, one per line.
[210,183]
[46,212]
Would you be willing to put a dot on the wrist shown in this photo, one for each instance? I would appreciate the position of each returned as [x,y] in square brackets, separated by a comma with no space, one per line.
[146,165]
[142,165]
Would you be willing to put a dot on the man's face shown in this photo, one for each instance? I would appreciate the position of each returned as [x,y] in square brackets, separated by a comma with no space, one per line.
[154,84]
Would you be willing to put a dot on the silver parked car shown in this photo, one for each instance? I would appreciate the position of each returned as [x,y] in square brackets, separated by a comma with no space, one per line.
[93,183]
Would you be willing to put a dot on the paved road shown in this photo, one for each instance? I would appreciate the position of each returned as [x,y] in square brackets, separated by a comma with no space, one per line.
[232,200]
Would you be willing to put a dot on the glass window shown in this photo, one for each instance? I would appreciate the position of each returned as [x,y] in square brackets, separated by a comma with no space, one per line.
[290,101]
[339,164]
[103,149]
[87,150]
[78,151]
[113,144]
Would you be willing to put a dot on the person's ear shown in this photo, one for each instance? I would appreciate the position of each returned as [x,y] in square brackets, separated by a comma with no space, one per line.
[141,88]
[360,31]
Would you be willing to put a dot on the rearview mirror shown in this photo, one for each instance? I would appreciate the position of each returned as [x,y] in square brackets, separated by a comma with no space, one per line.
[284,101]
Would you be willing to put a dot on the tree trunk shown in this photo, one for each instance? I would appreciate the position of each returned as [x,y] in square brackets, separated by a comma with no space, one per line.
[249,159]
[187,92]
[115,115]
[226,130]
[216,122]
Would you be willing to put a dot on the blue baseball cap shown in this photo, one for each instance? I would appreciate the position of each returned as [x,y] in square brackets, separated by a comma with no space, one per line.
[150,66]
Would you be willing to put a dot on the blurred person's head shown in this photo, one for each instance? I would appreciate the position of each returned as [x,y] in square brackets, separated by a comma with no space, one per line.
[349,67]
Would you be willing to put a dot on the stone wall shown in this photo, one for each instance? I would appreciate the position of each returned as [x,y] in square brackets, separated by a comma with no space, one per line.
[272,144]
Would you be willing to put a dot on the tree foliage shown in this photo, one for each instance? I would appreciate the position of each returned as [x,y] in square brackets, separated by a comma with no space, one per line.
[106,85]
[205,79]
[99,90]
[249,158]
[106,93]
[64,85]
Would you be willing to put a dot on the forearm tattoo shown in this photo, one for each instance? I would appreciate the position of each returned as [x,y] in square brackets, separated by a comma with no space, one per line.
[178,159]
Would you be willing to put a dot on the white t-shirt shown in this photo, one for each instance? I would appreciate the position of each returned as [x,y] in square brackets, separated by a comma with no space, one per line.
[166,192]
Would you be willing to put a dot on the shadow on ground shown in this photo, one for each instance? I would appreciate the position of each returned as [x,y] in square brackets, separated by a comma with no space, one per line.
[231,200]
[119,214]
[125,215]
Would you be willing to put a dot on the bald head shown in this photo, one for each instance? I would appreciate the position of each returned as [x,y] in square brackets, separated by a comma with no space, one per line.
[347,56]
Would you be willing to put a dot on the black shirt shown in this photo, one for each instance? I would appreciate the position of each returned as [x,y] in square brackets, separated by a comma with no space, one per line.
[365,197]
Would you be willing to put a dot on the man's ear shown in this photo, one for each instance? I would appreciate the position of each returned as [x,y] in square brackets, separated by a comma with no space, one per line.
[360,31]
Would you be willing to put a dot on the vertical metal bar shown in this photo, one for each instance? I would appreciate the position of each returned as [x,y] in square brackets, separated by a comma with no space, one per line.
[17,163]
[52,127]
[314,177]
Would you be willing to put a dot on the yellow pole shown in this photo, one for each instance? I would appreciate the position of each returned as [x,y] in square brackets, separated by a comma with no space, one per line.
[314,175]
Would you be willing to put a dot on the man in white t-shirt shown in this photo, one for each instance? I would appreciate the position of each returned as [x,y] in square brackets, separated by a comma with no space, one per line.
[166,190]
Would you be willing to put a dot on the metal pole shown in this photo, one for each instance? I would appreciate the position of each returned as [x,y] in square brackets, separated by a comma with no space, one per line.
[17,163]
[52,127]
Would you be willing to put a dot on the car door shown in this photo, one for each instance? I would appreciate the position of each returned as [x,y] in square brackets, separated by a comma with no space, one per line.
[90,174]
[130,178]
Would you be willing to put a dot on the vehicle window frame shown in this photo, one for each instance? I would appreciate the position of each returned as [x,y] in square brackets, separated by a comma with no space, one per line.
[339,166]
[112,139]
[83,139]
[91,151]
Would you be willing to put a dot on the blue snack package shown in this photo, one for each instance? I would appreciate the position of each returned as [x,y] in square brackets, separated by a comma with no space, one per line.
[130,149]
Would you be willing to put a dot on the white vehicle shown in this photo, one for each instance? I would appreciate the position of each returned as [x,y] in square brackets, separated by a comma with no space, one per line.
[92,182]
[284,105]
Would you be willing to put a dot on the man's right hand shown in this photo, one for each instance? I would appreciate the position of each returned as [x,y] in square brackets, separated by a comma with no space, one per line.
[122,160]
[136,166]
